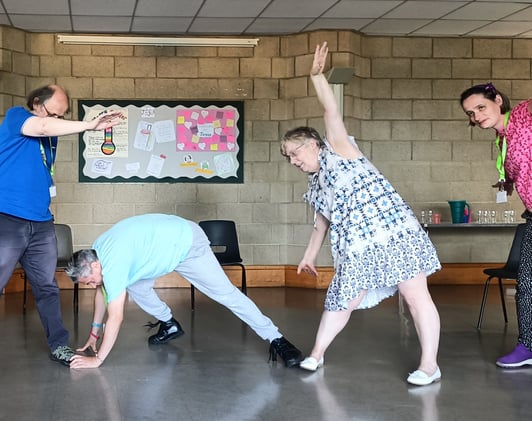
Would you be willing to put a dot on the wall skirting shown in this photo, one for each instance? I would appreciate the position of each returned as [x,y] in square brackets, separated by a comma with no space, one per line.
[286,276]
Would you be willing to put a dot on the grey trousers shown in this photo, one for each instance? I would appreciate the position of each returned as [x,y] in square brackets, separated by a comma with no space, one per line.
[202,270]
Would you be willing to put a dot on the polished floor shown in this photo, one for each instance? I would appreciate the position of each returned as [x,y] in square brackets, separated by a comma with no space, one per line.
[219,369]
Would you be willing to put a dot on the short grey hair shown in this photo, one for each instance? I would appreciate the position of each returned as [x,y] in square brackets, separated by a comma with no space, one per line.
[300,135]
[80,265]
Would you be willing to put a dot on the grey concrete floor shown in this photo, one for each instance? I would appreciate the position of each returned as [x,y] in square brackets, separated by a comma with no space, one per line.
[219,369]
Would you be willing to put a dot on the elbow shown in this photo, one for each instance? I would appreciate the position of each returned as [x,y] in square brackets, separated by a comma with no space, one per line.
[119,319]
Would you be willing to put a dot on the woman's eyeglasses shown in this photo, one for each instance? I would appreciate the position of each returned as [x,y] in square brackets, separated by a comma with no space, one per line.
[295,152]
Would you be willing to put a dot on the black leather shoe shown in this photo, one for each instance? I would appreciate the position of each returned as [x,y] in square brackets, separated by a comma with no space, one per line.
[167,330]
[288,352]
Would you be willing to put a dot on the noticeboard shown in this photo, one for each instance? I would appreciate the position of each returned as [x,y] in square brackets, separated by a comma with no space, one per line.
[170,141]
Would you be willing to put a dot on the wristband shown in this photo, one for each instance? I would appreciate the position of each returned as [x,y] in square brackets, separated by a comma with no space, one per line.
[96,325]
[95,336]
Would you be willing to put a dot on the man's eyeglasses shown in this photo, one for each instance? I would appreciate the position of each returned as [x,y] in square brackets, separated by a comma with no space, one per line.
[52,114]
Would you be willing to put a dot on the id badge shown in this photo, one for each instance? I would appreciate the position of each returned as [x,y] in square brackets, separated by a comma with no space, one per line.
[502,197]
[53,191]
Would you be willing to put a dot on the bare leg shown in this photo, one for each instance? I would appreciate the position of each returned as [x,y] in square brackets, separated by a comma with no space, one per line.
[331,324]
[426,320]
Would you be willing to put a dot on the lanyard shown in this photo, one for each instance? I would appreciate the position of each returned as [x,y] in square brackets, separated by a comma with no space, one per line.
[502,149]
[50,167]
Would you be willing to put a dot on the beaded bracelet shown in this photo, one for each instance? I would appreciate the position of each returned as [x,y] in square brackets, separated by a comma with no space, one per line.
[95,336]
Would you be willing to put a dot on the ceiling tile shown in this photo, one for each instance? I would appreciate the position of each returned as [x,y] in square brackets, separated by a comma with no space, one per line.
[449,27]
[219,26]
[279,26]
[525,14]
[32,7]
[37,23]
[424,9]
[486,10]
[285,9]
[360,9]
[102,24]
[232,8]
[503,29]
[162,25]
[394,26]
[326,23]
[102,7]
[167,8]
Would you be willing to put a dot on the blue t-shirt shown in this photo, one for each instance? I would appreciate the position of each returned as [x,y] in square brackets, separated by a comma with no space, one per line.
[141,247]
[25,178]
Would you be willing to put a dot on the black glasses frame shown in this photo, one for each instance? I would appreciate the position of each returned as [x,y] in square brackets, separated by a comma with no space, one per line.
[49,114]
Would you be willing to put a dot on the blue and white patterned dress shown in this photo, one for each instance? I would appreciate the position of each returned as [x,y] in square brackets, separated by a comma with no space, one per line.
[375,237]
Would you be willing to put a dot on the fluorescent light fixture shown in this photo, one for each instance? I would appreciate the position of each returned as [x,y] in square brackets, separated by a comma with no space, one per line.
[157,41]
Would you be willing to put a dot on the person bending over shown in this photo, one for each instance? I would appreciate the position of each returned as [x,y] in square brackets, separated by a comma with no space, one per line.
[127,259]
[488,108]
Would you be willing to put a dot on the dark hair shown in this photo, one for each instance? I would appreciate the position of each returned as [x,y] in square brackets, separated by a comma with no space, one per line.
[300,135]
[41,95]
[488,91]
[80,265]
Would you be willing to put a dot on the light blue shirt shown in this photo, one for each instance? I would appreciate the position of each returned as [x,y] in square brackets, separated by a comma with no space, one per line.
[141,247]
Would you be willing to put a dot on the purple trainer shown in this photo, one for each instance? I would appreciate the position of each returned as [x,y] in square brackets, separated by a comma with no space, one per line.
[519,357]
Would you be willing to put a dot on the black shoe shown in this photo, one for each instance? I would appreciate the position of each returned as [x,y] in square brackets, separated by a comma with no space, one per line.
[167,330]
[62,355]
[288,352]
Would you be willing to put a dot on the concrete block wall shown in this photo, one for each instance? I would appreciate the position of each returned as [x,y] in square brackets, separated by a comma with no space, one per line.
[402,106]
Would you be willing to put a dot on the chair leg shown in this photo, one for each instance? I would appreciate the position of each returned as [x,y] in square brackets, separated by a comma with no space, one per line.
[484,297]
[76,298]
[503,301]
[244,282]
[192,298]
[25,293]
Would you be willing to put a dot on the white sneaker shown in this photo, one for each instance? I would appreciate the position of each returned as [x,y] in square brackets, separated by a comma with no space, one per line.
[311,364]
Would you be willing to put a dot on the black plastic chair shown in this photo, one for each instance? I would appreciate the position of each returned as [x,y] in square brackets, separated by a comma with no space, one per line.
[224,243]
[508,271]
[65,250]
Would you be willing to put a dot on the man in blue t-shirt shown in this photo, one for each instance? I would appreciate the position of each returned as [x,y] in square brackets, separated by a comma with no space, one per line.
[129,257]
[28,142]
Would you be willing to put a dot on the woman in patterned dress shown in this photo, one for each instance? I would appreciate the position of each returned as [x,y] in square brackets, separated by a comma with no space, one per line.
[378,246]
[489,108]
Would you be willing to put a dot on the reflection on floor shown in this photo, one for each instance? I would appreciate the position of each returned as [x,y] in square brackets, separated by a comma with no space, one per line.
[219,369]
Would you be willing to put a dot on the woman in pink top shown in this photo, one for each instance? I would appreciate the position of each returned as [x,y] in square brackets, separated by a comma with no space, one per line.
[488,108]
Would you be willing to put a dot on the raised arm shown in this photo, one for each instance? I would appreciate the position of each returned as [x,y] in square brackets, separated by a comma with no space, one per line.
[336,132]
